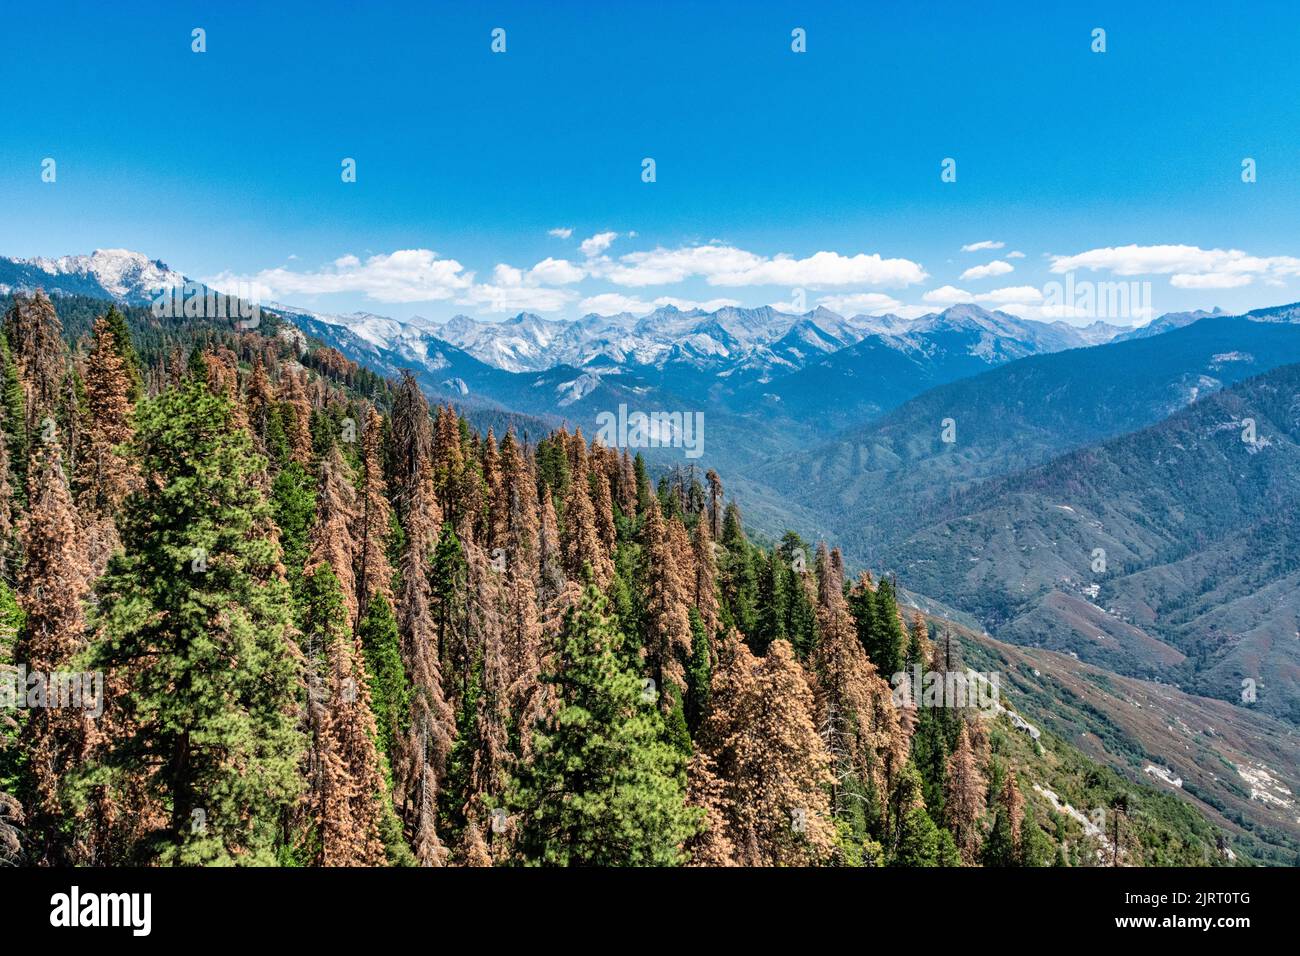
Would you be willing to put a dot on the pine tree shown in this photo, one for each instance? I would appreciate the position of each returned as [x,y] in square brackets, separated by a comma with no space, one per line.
[490,758]
[602,503]
[667,628]
[126,353]
[331,541]
[715,502]
[390,694]
[192,630]
[521,541]
[964,797]
[776,771]
[643,490]
[293,507]
[295,412]
[699,673]
[853,705]
[13,420]
[432,725]
[705,585]
[916,840]
[374,573]
[106,475]
[999,849]
[1010,799]
[919,648]
[603,789]
[448,458]
[711,846]
[580,539]
[348,790]
[36,343]
[769,623]
[53,584]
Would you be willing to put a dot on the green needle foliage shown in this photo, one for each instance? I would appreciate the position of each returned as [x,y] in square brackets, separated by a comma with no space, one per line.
[624,802]
[193,639]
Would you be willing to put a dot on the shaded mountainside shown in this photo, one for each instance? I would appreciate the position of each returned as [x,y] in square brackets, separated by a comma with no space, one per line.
[1240,769]
[1167,552]
[877,483]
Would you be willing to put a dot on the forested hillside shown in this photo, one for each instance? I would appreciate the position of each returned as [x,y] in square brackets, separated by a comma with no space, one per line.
[338,627]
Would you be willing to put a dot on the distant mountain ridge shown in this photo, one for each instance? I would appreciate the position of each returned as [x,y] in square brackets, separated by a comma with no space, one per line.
[1196,529]
[119,274]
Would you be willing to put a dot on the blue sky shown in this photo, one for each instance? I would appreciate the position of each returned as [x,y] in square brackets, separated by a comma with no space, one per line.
[775,171]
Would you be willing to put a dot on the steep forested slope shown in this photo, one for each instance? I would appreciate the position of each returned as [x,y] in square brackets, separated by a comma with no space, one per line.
[335,627]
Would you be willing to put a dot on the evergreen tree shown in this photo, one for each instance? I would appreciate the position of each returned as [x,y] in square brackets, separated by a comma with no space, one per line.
[580,539]
[666,632]
[13,420]
[374,572]
[36,344]
[603,788]
[193,623]
[918,840]
[293,506]
[348,792]
[699,673]
[999,848]
[52,585]
[106,476]
[853,706]
[390,695]
[126,353]
[760,736]
[331,541]
[965,795]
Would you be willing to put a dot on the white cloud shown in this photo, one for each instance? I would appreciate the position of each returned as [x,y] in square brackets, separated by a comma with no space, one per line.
[612,303]
[407,275]
[1014,254]
[947,295]
[995,268]
[981,246]
[418,275]
[556,272]
[1189,267]
[1211,280]
[598,243]
[560,232]
[495,297]
[722,265]
[858,303]
[1020,293]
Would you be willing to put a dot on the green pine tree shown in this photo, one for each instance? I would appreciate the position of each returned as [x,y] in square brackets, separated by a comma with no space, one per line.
[192,625]
[999,849]
[13,407]
[699,673]
[293,502]
[125,349]
[604,788]
[918,840]
[390,693]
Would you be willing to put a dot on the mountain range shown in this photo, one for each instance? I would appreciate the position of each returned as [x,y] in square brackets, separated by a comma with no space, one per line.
[987,459]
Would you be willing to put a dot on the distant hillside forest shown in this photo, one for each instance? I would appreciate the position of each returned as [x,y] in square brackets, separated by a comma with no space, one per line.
[336,627]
